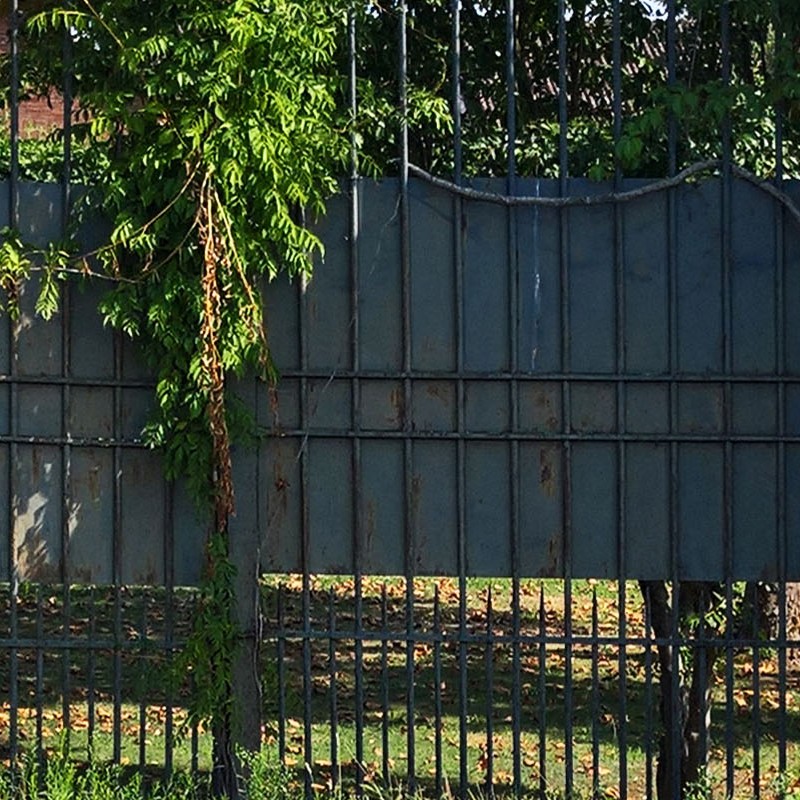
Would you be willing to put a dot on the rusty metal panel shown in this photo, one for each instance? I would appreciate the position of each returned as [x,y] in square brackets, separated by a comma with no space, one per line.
[382,509]
[630,414]
[90,546]
[633,439]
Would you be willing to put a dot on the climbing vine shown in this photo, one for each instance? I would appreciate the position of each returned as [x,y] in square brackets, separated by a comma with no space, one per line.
[217,122]
[212,126]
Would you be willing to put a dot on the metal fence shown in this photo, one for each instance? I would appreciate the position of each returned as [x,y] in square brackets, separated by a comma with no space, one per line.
[545,388]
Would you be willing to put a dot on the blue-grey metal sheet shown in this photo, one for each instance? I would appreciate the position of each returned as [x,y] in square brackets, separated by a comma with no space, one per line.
[595,383]
[726,457]
[64,430]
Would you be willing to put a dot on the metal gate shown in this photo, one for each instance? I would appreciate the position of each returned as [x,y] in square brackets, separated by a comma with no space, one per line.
[488,377]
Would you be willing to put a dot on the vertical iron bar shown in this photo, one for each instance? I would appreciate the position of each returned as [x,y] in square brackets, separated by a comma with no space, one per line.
[13,677]
[117,676]
[385,689]
[619,316]
[308,755]
[672,737]
[456,100]
[514,322]
[91,666]
[143,687]
[13,222]
[117,551]
[305,522]
[437,694]
[564,218]
[489,666]
[648,697]
[334,712]
[66,180]
[169,623]
[355,395]
[65,665]
[280,647]
[595,699]
[13,101]
[780,365]
[756,710]
[39,677]
[408,477]
[66,368]
[701,654]
[195,738]
[458,267]
[542,696]
[621,396]
[726,211]
[563,147]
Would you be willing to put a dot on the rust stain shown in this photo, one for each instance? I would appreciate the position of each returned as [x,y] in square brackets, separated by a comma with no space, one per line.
[541,400]
[544,401]
[416,491]
[370,523]
[274,410]
[552,569]
[93,481]
[398,402]
[281,484]
[547,472]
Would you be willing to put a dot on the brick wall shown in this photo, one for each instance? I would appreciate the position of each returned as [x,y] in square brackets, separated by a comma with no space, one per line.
[37,116]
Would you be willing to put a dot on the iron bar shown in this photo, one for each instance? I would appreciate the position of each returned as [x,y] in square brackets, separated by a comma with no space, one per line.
[595,698]
[39,677]
[514,318]
[405,277]
[169,623]
[142,659]
[385,771]
[437,694]
[91,667]
[727,359]
[488,376]
[648,695]
[781,494]
[117,649]
[542,692]
[13,102]
[305,547]
[280,648]
[488,656]
[65,663]
[355,394]
[755,714]
[671,743]
[333,692]
[620,364]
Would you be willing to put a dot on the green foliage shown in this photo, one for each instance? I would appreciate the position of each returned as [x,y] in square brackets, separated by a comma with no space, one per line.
[211,648]
[60,778]
[213,124]
[763,84]
[42,160]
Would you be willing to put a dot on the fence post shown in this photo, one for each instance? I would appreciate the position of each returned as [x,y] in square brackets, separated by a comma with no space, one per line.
[244,550]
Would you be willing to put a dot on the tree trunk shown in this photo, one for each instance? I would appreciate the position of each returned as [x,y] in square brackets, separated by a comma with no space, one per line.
[685,711]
